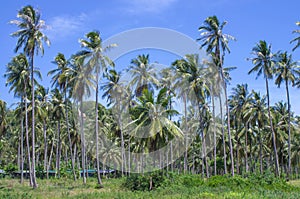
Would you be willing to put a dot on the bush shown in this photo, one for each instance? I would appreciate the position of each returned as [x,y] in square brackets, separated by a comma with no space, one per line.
[144,182]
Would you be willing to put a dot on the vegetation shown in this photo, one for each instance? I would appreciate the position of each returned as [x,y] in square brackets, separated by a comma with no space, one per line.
[71,135]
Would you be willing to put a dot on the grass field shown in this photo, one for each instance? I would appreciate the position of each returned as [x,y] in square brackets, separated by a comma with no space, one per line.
[181,187]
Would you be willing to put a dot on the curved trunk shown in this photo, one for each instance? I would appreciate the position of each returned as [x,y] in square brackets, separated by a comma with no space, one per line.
[97,133]
[289,128]
[228,126]
[27,139]
[22,144]
[69,135]
[58,150]
[34,183]
[223,136]
[82,143]
[273,132]
[45,145]
[215,130]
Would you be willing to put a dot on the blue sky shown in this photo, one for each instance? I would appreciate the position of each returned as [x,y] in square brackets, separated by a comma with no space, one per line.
[248,20]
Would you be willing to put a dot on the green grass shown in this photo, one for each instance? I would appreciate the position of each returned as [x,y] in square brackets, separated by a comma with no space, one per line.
[182,186]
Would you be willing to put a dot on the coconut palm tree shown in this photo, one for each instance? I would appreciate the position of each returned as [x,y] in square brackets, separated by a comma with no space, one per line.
[264,64]
[61,77]
[58,113]
[93,55]
[81,82]
[239,100]
[216,43]
[31,39]
[285,71]
[297,39]
[143,74]
[255,113]
[119,97]
[17,74]
[195,73]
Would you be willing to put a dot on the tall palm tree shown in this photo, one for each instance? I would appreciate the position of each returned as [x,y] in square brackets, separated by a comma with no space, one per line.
[119,97]
[81,82]
[195,74]
[31,39]
[143,74]
[93,54]
[216,43]
[256,113]
[239,100]
[57,115]
[61,77]
[285,70]
[264,64]
[17,74]
[297,39]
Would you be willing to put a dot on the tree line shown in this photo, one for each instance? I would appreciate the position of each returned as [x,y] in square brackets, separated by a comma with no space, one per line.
[62,130]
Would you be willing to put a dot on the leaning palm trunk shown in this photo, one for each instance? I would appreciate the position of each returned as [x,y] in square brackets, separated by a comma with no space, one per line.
[223,136]
[82,142]
[22,145]
[215,130]
[228,126]
[27,139]
[69,135]
[34,182]
[45,145]
[97,133]
[289,129]
[273,133]
[58,150]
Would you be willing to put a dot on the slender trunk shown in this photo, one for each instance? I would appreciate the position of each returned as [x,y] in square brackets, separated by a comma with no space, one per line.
[246,149]
[223,136]
[260,150]
[123,158]
[58,150]
[97,129]
[82,142]
[215,132]
[22,145]
[69,134]
[186,134]
[45,145]
[50,157]
[273,133]
[27,140]
[289,128]
[34,182]
[228,128]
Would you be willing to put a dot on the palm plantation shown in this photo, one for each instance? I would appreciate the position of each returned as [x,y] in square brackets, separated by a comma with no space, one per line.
[170,119]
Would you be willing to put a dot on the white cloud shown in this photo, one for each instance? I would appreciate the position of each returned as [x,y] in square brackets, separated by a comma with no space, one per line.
[154,6]
[60,27]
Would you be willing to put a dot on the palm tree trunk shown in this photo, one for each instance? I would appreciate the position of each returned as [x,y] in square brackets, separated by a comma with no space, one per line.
[228,127]
[260,150]
[97,131]
[34,182]
[215,130]
[45,145]
[246,149]
[58,150]
[273,133]
[27,139]
[186,134]
[50,157]
[223,136]
[69,134]
[82,142]
[22,144]
[289,129]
